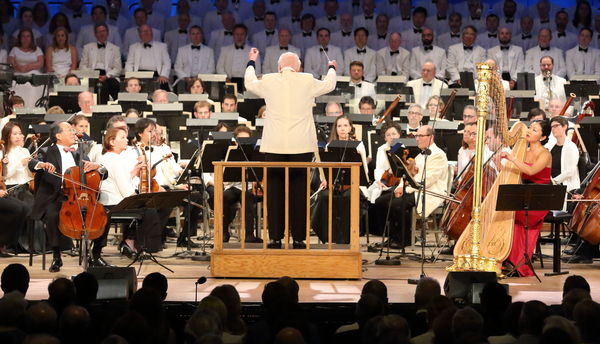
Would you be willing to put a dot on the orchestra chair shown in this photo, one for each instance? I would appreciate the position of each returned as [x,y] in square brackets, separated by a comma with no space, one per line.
[559,221]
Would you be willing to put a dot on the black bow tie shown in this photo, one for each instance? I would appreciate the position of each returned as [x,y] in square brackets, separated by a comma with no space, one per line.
[562,34]
[369,17]
[442,18]
[147,45]
[184,31]
[467,48]
[358,85]
[417,30]
[509,20]
[241,47]
[395,52]
[405,18]
[525,36]
[346,34]
[428,47]
[413,130]
[361,51]
[332,18]
[504,47]
[546,48]
[196,47]
[228,33]
[101,46]
[295,20]
[270,33]
[382,36]
[475,18]
[307,34]
[218,13]
[77,15]
[490,35]
[259,18]
[547,78]
[426,84]
[583,49]
[283,48]
[273,2]
[324,49]
[545,21]
[454,35]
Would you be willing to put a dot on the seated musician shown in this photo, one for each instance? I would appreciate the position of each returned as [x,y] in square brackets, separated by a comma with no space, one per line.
[333,109]
[49,195]
[202,109]
[229,104]
[120,184]
[390,132]
[133,85]
[72,80]
[85,100]
[565,155]
[16,207]
[415,115]
[194,86]
[536,114]
[467,151]
[366,105]
[160,97]
[535,169]
[434,108]
[14,102]
[232,195]
[343,130]
[404,197]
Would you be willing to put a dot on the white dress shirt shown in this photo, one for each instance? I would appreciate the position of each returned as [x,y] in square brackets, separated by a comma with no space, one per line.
[157,21]
[219,39]
[422,92]
[511,60]
[533,56]
[464,157]
[304,40]
[344,40]
[272,57]
[293,24]
[373,62]
[447,39]
[167,169]
[87,35]
[67,160]
[436,181]
[261,40]
[119,183]
[108,58]
[419,56]
[377,41]
[191,62]
[289,127]
[399,24]
[580,61]
[487,39]
[315,61]
[155,58]
[254,25]
[395,63]
[172,23]
[331,23]
[461,60]
[525,40]
[363,89]
[564,41]
[361,20]
[556,88]
[233,61]
[411,38]
[17,172]
[175,40]
[132,36]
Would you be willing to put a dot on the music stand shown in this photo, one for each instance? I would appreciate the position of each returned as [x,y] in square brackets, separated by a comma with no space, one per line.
[137,203]
[530,197]
[197,130]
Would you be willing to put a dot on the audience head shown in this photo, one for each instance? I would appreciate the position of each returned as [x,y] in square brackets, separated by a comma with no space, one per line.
[74,324]
[586,315]
[15,277]
[369,306]
[289,335]
[41,318]
[203,322]
[427,288]
[366,105]
[533,315]
[571,299]
[158,282]
[240,33]
[12,309]
[86,286]
[230,297]
[390,328]
[133,327]
[466,322]
[575,281]
[377,288]
[61,293]
[216,305]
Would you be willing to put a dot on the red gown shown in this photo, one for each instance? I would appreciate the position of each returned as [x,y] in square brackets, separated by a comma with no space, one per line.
[535,221]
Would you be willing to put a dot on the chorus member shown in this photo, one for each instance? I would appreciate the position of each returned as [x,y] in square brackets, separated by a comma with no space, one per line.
[232,57]
[396,59]
[288,137]
[403,21]
[467,151]
[26,22]
[268,35]
[119,185]
[464,56]
[583,59]
[362,88]
[366,106]
[41,17]
[76,13]
[179,36]
[61,57]
[213,18]
[341,130]
[412,36]
[182,8]
[131,36]
[434,108]
[535,169]
[438,20]
[331,19]
[105,57]
[565,155]
[489,38]
[156,19]
[87,34]
[427,85]
[48,187]
[307,35]
[26,59]
[343,37]
[292,21]
[149,55]
[543,48]
[366,19]
[132,85]
[404,197]
[415,116]
[273,52]
[372,62]
[452,35]
[117,15]
[526,38]
[564,39]
[194,58]
[3,52]
[223,36]
[382,23]
[548,85]
[427,52]
[58,20]
[7,17]
[475,17]
[509,56]
[315,61]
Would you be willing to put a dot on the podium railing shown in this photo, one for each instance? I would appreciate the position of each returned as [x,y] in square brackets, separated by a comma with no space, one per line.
[330,262]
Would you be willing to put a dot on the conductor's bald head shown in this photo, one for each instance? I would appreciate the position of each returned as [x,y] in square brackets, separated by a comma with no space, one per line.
[290,60]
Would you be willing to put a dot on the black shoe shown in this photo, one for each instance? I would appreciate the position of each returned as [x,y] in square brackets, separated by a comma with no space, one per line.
[569,251]
[274,244]
[253,239]
[448,250]
[184,243]
[299,245]
[577,260]
[171,233]
[56,264]
[226,237]
[99,262]
[127,251]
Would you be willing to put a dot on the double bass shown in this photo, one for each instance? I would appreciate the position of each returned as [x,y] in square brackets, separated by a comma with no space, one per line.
[586,215]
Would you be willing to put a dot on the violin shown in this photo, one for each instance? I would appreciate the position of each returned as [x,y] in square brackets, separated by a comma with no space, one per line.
[147,182]
[388,179]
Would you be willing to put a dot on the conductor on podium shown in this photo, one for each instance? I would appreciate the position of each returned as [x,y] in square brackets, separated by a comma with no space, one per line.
[289,135]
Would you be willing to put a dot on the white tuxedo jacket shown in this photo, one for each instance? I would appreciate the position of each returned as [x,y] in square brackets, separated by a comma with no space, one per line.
[162,62]
[315,61]
[417,86]
[458,61]
[184,61]
[233,61]
[533,56]
[272,57]
[112,58]
[436,181]
[516,59]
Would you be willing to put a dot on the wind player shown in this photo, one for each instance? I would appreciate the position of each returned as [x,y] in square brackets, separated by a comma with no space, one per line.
[58,157]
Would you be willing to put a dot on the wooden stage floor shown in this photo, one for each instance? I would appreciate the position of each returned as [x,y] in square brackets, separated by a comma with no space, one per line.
[186,272]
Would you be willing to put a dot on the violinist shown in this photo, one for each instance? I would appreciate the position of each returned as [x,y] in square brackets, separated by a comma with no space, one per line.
[415,115]
[434,107]
[13,211]
[565,155]
[120,184]
[58,157]
[535,169]
[467,150]
[390,132]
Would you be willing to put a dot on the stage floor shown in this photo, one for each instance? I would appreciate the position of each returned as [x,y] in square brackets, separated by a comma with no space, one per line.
[186,272]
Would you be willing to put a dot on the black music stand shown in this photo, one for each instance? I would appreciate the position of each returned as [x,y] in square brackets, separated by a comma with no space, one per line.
[137,203]
[526,197]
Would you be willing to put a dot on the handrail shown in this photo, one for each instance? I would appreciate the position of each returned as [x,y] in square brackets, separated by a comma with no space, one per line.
[285,164]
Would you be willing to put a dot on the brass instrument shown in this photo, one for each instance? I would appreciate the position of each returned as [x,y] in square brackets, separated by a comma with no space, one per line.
[487,240]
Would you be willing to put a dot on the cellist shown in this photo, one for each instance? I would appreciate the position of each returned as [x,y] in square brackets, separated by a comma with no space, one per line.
[58,157]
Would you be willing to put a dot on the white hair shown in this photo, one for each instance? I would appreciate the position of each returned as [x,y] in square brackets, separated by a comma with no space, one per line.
[284,61]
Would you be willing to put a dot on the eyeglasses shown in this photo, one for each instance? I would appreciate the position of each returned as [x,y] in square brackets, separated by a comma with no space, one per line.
[414,113]
[421,135]
[555,126]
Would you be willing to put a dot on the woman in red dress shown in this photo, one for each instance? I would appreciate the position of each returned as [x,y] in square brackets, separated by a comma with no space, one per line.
[535,169]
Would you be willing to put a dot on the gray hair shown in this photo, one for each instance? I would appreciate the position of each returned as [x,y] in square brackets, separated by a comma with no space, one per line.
[285,62]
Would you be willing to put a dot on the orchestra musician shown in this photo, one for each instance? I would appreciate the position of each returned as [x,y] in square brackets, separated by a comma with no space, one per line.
[467,150]
[415,115]
[434,108]
[535,169]
[58,157]
[565,155]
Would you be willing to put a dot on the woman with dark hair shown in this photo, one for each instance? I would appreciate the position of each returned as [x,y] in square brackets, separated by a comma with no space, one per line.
[194,86]
[565,155]
[41,17]
[59,20]
[582,17]
[26,22]
[61,57]
[536,168]
[26,59]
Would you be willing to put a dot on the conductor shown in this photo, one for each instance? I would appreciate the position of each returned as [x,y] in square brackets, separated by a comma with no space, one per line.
[289,135]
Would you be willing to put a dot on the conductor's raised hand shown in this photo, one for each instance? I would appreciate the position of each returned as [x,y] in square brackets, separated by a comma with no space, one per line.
[332,63]
[253,54]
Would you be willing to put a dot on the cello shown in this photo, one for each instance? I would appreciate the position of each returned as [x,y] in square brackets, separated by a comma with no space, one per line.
[586,215]
[81,215]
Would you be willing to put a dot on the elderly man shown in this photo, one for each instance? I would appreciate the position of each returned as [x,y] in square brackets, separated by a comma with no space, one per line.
[160,97]
[548,85]
[149,55]
[333,109]
[85,100]
[415,115]
[427,85]
[289,135]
